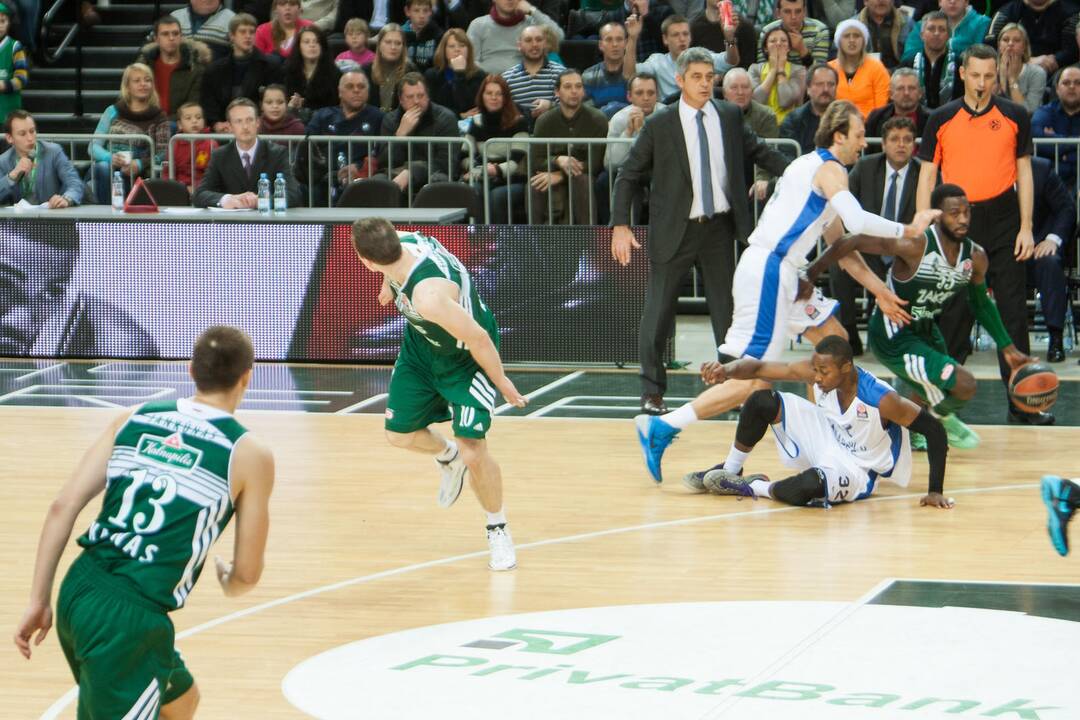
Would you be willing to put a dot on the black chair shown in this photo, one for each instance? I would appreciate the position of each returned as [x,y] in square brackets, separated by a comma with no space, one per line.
[377,192]
[450,195]
[579,54]
[168,193]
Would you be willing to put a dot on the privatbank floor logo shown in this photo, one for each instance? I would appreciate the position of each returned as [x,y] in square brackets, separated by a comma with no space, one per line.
[733,660]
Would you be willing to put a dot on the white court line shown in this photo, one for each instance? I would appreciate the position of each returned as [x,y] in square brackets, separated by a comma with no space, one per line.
[57,707]
[567,400]
[544,388]
[362,404]
[41,371]
[789,655]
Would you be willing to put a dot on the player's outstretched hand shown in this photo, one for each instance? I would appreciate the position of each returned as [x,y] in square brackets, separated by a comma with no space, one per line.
[511,393]
[37,618]
[892,307]
[1015,358]
[713,373]
[922,220]
[937,500]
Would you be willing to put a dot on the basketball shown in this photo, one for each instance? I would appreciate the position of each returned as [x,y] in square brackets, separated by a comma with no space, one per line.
[1033,387]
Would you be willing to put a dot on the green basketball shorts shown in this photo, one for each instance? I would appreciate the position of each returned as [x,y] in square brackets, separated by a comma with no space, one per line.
[917,356]
[427,389]
[119,646]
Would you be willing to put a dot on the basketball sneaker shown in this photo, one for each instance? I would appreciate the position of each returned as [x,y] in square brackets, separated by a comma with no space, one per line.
[453,473]
[501,544]
[723,482]
[918,442]
[961,436]
[1060,497]
[654,435]
[696,480]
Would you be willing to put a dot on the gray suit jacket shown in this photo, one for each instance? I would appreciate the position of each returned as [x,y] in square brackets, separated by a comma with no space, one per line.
[867,184]
[55,176]
[660,153]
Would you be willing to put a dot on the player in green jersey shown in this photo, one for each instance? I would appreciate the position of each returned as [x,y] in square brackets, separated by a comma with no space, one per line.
[173,473]
[448,367]
[926,273]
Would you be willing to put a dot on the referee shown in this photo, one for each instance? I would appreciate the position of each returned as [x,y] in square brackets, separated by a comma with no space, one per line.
[982,142]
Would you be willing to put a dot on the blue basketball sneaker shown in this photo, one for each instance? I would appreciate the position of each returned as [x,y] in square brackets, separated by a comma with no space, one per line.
[1060,497]
[654,435]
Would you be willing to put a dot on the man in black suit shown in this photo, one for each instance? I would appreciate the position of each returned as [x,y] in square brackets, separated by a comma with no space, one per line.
[691,221]
[884,184]
[1054,218]
[245,72]
[232,178]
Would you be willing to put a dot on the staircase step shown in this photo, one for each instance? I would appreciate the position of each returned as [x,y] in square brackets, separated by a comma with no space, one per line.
[63,78]
[135,13]
[48,123]
[100,57]
[59,101]
[108,35]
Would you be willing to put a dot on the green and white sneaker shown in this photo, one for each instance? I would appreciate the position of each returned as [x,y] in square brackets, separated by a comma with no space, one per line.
[961,436]
[918,442]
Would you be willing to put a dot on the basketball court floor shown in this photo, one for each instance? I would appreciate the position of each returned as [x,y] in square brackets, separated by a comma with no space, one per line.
[630,600]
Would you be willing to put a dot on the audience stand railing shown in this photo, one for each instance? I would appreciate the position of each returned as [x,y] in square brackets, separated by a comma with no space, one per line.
[74,142]
[399,152]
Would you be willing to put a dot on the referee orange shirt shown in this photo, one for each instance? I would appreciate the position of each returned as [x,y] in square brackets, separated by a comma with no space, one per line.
[978,151]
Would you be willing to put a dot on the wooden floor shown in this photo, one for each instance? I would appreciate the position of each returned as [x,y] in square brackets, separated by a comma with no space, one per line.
[592,530]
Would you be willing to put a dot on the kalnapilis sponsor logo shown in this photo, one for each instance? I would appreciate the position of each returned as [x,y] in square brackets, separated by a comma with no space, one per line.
[169,451]
[744,660]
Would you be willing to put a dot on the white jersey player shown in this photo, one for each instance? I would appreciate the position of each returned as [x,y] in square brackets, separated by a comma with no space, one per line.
[812,192]
[855,432]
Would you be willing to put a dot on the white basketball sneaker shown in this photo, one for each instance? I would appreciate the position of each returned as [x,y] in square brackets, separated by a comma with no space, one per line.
[453,478]
[503,556]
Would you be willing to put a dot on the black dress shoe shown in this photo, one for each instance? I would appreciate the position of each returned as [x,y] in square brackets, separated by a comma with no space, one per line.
[653,405]
[1017,417]
[1055,349]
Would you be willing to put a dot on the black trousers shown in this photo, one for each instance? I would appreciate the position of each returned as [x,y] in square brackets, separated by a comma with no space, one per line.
[711,245]
[994,225]
[1047,275]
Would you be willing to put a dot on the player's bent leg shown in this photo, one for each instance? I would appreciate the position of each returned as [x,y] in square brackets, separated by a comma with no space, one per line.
[724,397]
[183,707]
[426,441]
[799,490]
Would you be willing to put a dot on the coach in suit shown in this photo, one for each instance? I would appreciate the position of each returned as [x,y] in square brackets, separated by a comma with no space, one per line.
[690,220]
[884,184]
[232,178]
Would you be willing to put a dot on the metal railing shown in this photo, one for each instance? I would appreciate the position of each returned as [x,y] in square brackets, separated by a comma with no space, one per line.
[83,141]
[534,163]
[72,35]
[439,154]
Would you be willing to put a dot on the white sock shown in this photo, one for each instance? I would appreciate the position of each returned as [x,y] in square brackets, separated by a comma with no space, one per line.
[496,518]
[448,452]
[681,418]
[761,488]
[735,459]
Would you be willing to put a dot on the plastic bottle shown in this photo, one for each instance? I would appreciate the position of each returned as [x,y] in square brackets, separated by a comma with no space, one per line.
[281,194]
[264,193]
[342,161]
[117,192]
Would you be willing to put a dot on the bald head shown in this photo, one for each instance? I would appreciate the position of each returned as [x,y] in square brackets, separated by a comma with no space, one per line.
[737,87]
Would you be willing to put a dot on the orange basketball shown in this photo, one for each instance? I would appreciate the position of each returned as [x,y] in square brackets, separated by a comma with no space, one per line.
[1033,387]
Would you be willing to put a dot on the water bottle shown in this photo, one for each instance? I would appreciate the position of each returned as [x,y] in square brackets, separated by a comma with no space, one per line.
[281,194]
[117,192]
[342,161]
[264,193]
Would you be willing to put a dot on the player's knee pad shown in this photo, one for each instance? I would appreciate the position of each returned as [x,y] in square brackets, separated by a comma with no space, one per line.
[800,489]
[758,412]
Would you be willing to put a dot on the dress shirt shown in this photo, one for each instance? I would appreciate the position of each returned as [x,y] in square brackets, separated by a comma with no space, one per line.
[688,117]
